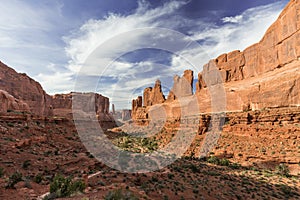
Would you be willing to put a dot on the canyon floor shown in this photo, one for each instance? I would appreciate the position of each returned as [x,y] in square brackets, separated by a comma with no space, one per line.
[251,161]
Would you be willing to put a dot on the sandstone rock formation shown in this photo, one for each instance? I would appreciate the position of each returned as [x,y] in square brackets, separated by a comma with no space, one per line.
[154,95]
[126,115]
[21,93]
[264,75]
[183,86]
[24,88]
[113,109]
[122,115]
[136,105]
[89,103]
[8,102]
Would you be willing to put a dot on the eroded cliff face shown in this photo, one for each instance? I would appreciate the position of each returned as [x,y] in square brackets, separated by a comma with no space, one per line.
[18,92]
[62,104]
[154,95]
[9,103]
[153,98]
[264,75]
[182,86]
[24,88]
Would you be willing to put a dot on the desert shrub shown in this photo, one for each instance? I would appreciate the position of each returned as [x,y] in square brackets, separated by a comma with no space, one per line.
[64,187]
[170,176]
[286,190]
[283,170]
[119,194]
[10,124]
[213,160]
[38,178]
[14,179]
[1,172]
[26,164]
[224,162]
[194,168]
[235,166]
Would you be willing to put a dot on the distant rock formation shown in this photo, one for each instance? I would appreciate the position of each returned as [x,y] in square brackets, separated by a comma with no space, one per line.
[126,115]
[122,115]
[89,102]
[136,105]
[19,92]
[113,109]
[154,95]
[183,86]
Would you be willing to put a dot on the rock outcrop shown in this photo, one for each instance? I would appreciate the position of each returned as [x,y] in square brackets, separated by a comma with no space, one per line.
[154,95]
[264,75]
[62,104]
[24,88]
[21,93]
[183,86]
[9,103]
[136,105]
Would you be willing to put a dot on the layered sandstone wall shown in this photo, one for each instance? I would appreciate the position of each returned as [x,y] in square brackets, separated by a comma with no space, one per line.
[19,92]
[9,103]
[88,102]
[24,88]
[264,75]
[182,86]
[154,95]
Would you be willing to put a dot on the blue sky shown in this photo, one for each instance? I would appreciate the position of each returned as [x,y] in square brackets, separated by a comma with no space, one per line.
[109,43]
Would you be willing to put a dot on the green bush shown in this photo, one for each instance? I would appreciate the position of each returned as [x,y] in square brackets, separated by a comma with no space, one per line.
[286,190]
[38,178]
[213,160]
[283,170]
[224,162]
[1,172]
[119,194]
[14,179]
[26,164]
[64,187]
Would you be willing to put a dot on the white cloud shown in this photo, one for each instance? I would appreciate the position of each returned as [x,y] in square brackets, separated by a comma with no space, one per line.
[96,32]
[235,19]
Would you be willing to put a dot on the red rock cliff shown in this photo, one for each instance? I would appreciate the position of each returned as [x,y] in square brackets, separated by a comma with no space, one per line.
[21,93]
[266,74]
[24,88]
